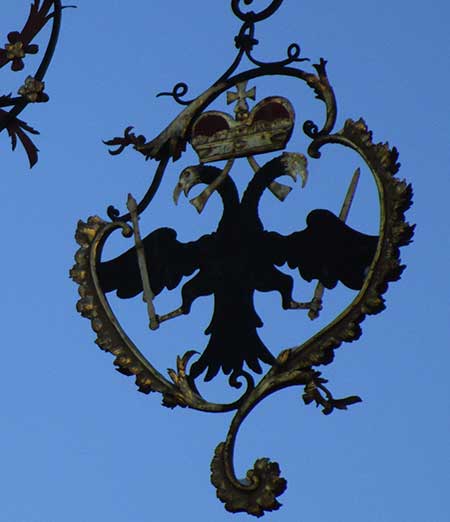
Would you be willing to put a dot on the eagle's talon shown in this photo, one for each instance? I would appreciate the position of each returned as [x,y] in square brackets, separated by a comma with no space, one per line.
[154,322]
[295,305]
[315,308]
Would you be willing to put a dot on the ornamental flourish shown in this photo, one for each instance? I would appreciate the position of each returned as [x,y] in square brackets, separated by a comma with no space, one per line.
[241,257]
[14,54]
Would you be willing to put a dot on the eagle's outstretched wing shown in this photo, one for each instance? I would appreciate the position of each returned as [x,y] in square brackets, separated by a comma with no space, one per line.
[168,260]
[327,250]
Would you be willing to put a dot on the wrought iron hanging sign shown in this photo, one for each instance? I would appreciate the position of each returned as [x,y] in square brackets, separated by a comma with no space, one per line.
[240,256]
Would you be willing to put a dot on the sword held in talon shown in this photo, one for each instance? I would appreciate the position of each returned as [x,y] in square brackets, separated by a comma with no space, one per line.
[316,302]
[148,293]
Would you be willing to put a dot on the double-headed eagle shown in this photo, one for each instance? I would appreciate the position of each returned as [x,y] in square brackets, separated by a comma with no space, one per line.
[237,259]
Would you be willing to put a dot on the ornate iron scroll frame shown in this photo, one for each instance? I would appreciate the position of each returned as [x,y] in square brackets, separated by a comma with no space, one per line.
[32,91]
[294,367]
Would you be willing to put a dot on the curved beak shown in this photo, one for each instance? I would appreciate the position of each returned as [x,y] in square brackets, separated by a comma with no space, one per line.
[295,165]
[188,179]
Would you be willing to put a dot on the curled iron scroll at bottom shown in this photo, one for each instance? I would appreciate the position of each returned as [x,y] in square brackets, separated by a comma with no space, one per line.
[256,493]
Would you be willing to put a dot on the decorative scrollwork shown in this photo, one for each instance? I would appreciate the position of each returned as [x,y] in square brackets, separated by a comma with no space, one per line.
[294,366]
[129,138]
[172,141]
[91,236]
[93,305]
[114,214]
[314,391]
[245,41]
[395,198]
[259,491]
[251,16]
[310,129]
[180,89]
[256,493]
[15,52]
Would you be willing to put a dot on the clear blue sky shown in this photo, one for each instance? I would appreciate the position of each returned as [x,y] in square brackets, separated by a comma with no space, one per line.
[79,443]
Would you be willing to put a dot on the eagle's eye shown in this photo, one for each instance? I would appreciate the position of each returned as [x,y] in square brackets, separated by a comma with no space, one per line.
[187,174]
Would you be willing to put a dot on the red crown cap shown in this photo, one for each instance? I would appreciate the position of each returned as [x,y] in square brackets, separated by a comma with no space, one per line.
[217,136]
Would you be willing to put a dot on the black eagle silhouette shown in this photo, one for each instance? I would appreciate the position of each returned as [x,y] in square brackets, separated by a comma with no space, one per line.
[239,258]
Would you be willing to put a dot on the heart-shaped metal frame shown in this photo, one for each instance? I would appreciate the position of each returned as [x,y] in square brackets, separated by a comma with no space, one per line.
[293,367]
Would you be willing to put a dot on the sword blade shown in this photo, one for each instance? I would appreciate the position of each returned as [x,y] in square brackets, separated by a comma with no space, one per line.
[316,303]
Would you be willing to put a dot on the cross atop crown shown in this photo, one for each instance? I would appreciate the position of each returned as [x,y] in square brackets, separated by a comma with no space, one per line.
[241,108]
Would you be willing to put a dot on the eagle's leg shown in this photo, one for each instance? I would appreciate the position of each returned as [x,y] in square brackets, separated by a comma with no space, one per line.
[295,305]
[275,280]
[194,288]
[170,315]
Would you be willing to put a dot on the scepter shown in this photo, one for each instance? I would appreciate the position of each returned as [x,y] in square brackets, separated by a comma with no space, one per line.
[148,293]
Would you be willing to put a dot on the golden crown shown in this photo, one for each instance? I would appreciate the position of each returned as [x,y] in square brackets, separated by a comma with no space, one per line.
[267,127]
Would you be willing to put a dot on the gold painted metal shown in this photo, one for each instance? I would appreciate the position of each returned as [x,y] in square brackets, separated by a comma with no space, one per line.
[31,89]
[14,55]
[294,366]
[266,128]
[246,136]
[241,109]
[15,50]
